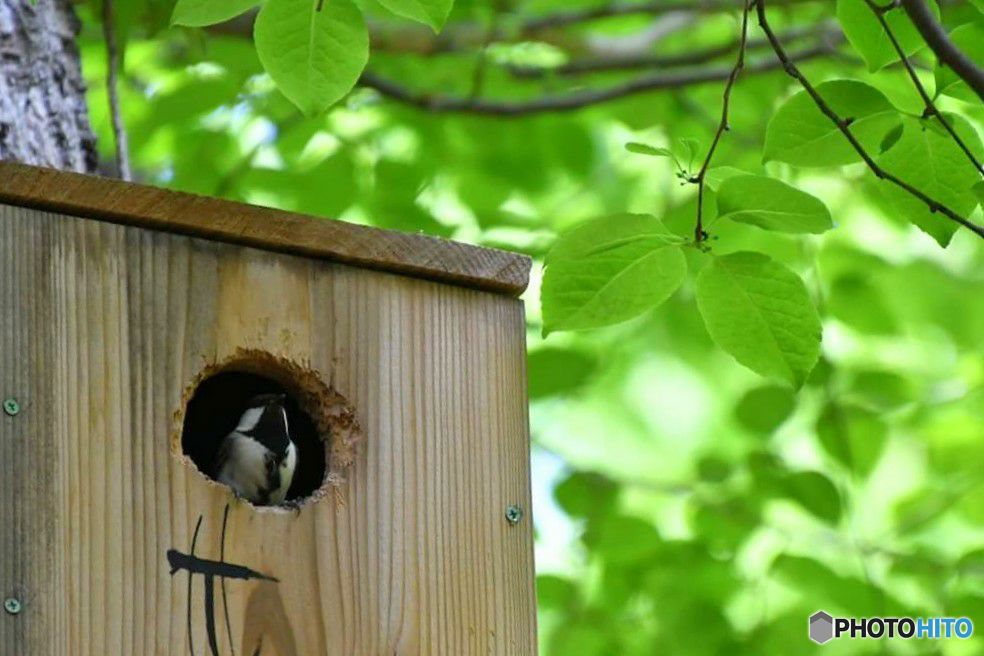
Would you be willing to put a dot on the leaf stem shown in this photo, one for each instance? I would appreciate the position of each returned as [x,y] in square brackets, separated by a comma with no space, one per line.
[844,126]
[699,179]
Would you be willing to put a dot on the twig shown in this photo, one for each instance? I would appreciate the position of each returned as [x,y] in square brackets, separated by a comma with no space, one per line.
[931,109]
[699,234]
[827,31]
[112,82]
[573,16]
[939,41]
[576,100]
[843,125]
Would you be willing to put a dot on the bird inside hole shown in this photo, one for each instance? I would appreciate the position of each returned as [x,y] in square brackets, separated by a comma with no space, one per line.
[258,459]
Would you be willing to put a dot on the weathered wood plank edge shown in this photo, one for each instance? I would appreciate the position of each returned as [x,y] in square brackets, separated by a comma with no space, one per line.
[154,208]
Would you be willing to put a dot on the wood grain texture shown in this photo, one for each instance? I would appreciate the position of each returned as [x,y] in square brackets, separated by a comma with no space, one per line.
[274,230]
[105,327]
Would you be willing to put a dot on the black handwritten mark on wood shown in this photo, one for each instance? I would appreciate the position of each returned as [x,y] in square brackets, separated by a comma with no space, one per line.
[210,569]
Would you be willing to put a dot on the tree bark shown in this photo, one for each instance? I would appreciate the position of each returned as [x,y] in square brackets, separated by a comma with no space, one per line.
[44,119]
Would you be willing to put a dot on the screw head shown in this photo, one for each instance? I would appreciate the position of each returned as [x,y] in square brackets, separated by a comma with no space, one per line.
[11,406]
[12,605]
[513,515]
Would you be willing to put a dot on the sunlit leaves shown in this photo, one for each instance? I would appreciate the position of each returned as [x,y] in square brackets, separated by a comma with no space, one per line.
[800,134]
[760,312]
[430,12]
[771,205]
[610,270]
[197,13]
[928,159]
[315,57]
[866,34]
[822,587]
[815,493]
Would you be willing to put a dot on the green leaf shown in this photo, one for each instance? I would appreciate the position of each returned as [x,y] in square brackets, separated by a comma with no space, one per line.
[853,436]
[771,205]
[865,33]
[652,151]
[881,391]
[979,191]
[800,134]
[969,39]
[760,312]
[718,174]
[623,540]
[764,409]
[713,469]
[197,13]
[586,494]
[610,270]
[814,492]
[430,12]
[315,57]
[856,301]
[928,159]
[557,371]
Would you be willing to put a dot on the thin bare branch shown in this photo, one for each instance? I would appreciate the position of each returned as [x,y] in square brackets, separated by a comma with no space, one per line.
[654,7]
[843,125]
[828,32]
[947,51]
[574,100]
[931,110]
[723,126]
[112,88]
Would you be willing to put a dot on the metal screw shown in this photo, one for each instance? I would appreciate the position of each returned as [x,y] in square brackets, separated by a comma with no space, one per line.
[513,515]
[11,605]
[11,406]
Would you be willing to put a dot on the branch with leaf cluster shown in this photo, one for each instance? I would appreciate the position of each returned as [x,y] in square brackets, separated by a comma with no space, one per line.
[931,109]
[843,125]
[655,71]
[939,41]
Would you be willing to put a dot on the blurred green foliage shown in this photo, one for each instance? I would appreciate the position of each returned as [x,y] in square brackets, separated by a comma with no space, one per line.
[683,504]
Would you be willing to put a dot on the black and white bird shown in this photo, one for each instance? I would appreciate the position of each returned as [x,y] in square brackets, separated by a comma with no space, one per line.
[257,460]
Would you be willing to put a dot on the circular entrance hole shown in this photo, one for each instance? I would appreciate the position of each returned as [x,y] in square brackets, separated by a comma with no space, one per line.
[320,422]
[214,412]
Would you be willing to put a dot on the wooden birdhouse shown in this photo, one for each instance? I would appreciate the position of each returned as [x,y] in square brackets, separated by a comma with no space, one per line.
[134,323]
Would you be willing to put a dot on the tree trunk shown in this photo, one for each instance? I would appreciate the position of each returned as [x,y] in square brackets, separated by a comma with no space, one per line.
[44,119]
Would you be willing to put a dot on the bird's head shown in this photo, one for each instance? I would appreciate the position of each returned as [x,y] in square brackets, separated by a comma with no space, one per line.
[265,420]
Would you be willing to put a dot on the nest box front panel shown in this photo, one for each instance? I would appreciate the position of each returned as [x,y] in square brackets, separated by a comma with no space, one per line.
[118,543]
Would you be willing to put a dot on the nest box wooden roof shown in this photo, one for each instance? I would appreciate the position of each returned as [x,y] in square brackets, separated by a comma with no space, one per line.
[153,208]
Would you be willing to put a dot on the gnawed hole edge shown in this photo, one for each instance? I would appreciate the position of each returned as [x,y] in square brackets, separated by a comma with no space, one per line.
[334,418]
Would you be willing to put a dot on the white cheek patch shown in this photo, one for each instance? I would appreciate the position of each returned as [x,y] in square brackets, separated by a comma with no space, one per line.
[249,420]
